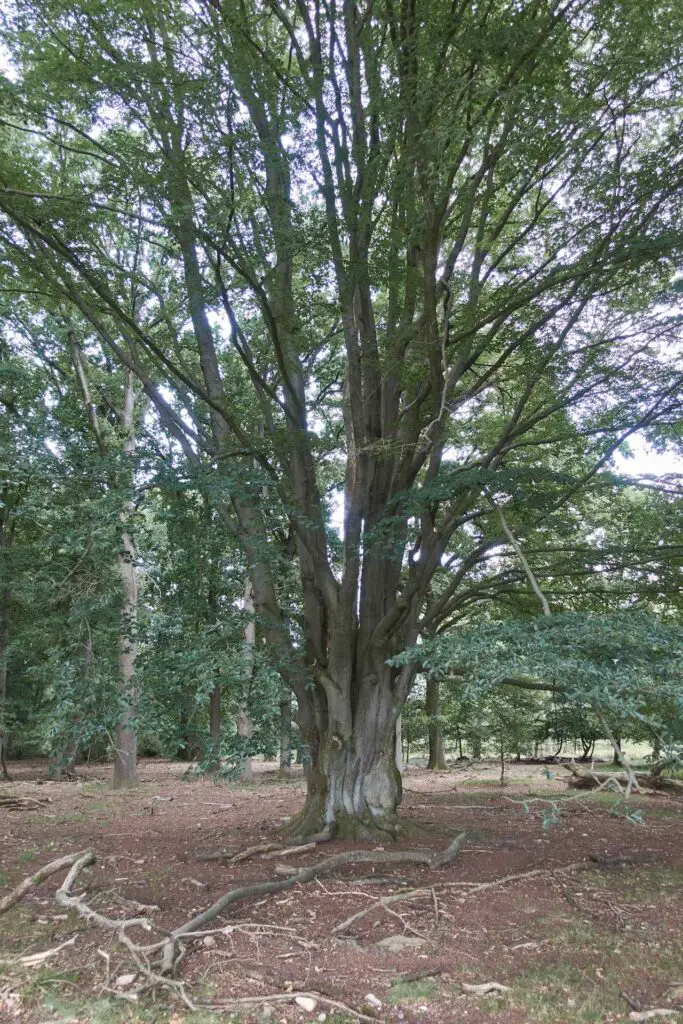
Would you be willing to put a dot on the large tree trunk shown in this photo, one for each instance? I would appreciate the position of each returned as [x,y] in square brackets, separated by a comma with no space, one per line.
[354,786]
[437,760]
[126,740]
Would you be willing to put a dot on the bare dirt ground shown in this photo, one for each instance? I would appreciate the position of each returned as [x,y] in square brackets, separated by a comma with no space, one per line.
[576,941]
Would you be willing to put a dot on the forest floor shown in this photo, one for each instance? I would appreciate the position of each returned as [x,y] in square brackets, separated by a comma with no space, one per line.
[574,941]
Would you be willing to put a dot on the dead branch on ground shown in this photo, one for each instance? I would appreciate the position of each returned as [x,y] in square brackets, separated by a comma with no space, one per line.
[285,997]
[23,803]
[584,779]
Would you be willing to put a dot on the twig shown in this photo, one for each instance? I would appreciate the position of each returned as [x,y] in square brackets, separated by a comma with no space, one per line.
[252,851]
[34,959]
[429,972]
[397,897]
[482,886]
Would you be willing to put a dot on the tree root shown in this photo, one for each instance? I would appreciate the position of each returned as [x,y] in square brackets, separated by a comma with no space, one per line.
[45,872]
[307,874]
[170,949]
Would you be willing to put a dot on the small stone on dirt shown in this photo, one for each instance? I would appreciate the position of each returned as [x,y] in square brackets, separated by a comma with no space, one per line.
[209,942]
[124,980]
[399,943]
[306,1003]
[373,1001]
[488,988]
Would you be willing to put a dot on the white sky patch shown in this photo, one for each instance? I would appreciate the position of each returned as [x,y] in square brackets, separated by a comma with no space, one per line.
[643,460]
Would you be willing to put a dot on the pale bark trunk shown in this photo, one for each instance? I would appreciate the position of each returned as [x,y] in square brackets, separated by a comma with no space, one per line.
[437,760]
[285,731]
[400,764]
[243,720]
[126,741]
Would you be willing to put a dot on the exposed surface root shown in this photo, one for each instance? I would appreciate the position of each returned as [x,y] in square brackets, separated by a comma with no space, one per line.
[45,872]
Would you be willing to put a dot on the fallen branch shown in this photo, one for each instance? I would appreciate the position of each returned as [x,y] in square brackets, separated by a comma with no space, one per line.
[36,959]
[23,803]
[253,851]
[65,898]
[583,779]
[288,851]
[286,997]
[45,872]
[495,882]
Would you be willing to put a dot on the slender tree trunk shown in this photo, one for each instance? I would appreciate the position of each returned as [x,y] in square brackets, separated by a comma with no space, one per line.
[285,731]
[437,760]
[615,753]
[215,727]
[243,719]
[126,741]
[62,760]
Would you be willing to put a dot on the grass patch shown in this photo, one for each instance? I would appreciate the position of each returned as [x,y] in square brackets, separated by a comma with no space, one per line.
[413,992]
[113,1011]
[563,992]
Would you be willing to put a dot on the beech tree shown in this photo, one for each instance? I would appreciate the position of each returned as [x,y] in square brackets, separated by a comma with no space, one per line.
[401,265]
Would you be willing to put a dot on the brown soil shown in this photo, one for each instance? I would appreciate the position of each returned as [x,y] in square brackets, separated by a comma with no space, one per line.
[566,943]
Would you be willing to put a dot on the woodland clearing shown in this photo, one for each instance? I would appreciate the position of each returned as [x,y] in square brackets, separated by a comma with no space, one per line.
[589,931]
